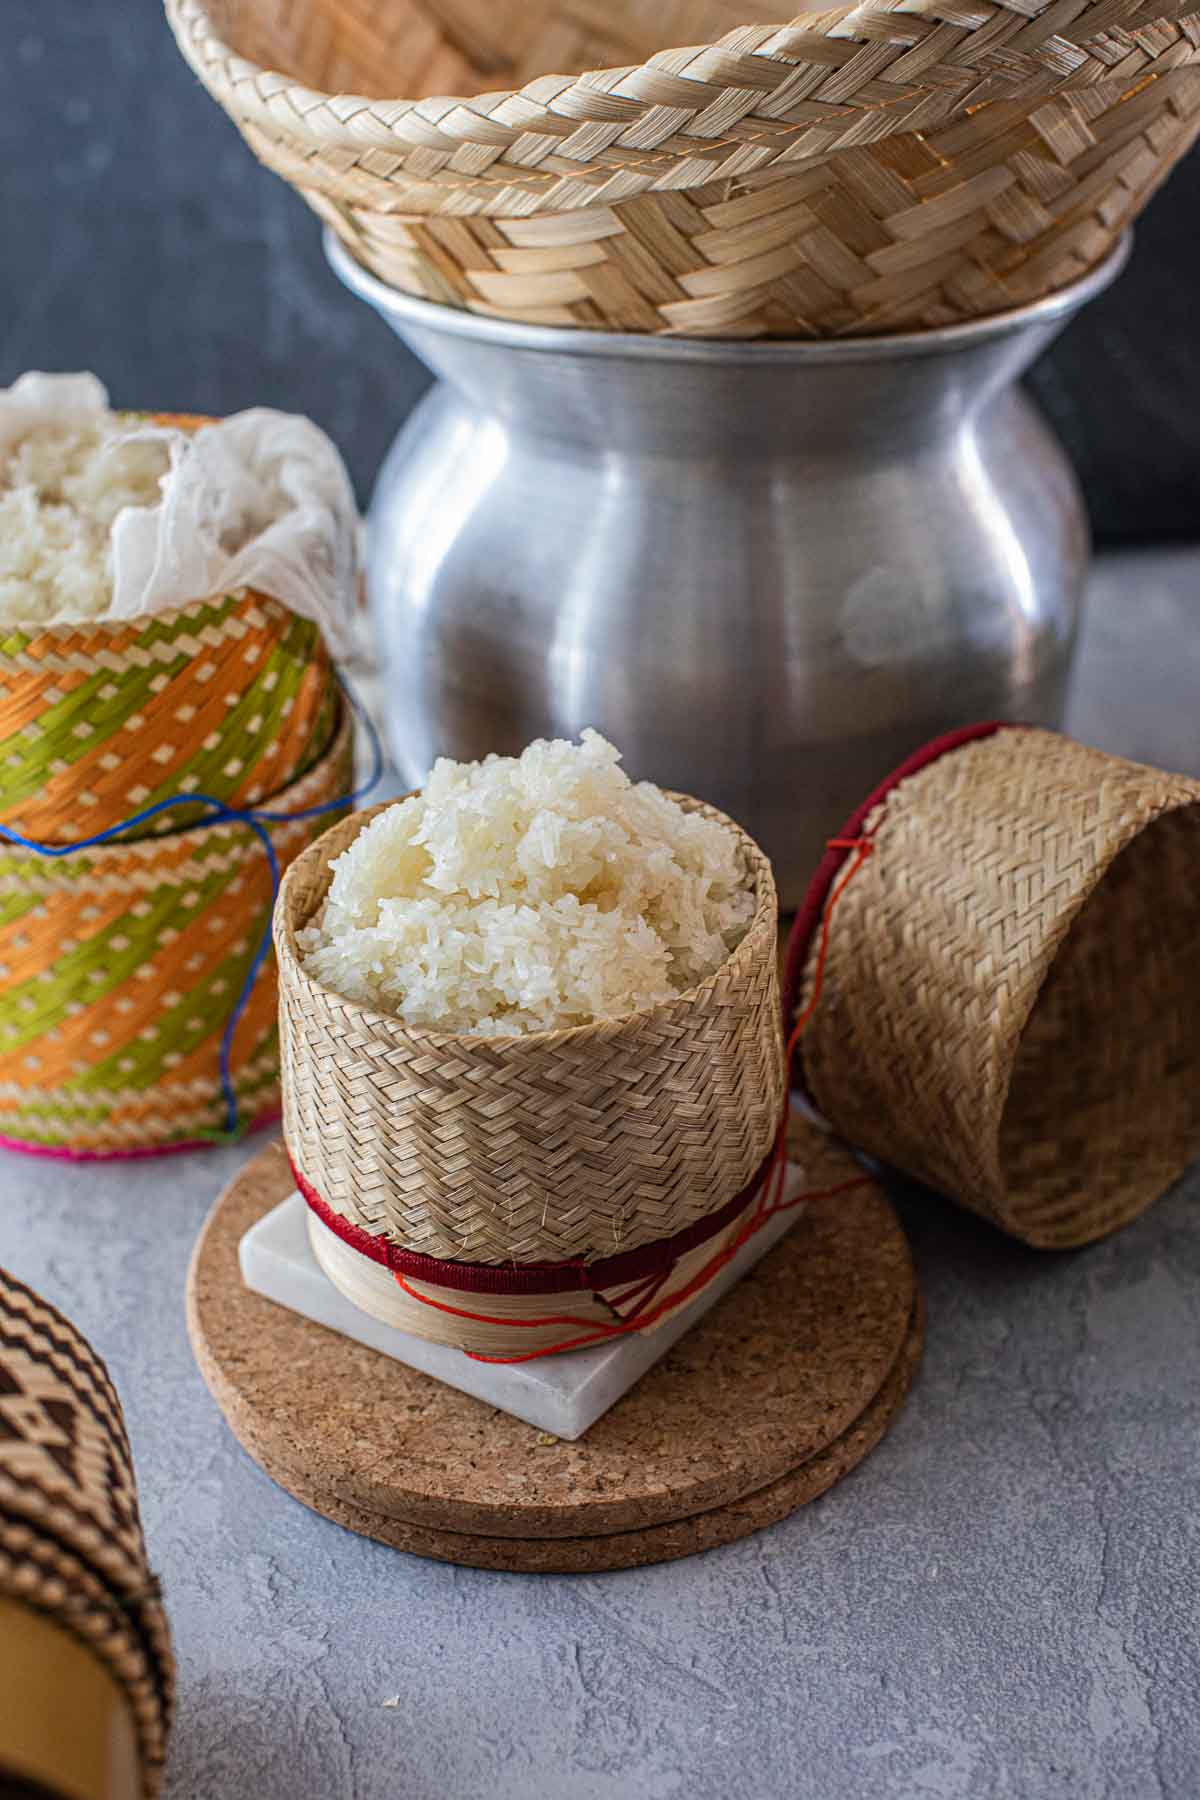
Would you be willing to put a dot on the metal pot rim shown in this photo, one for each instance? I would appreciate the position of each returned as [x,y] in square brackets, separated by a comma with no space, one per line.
[405,310]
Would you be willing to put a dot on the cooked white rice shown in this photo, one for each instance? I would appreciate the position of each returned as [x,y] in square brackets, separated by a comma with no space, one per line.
[60,491]
[528,893]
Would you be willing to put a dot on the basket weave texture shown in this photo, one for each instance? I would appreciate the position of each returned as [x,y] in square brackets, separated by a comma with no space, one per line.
[865,169]
[1008,1008]
[547,1147]
[119,967]
[233,697]
[71,1540]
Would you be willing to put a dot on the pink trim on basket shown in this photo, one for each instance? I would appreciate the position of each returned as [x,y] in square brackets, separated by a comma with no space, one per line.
[808,918]
[64,1152]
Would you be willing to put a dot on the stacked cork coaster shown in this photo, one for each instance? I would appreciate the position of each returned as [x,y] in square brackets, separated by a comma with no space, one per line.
[787,1384]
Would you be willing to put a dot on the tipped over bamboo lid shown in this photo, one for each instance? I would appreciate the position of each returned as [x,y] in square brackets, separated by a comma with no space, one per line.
[79,1607]
[1003,996]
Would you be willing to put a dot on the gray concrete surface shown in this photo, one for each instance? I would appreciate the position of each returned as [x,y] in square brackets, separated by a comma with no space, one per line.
[1001,1604]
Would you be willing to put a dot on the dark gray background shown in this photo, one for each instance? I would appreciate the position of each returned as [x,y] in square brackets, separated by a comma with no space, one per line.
[141,239]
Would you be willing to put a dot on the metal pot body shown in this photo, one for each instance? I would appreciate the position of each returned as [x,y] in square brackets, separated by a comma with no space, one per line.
[767,571]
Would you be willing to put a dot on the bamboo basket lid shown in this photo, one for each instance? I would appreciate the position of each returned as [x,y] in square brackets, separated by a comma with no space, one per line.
[71,1543]
[862,169]
[1003,993]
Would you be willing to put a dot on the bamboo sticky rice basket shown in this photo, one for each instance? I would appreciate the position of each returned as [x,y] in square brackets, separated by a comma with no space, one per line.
[865,169]
[232,695]
[564,1147]
[1003,999]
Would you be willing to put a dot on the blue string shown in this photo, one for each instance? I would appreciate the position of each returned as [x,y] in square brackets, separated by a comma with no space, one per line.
[257,818]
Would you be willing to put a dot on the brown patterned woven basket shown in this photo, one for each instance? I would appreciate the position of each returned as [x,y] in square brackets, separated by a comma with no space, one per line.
[71,1543]
[865,169]
[559,1145]
[119,967]
[1007,1008]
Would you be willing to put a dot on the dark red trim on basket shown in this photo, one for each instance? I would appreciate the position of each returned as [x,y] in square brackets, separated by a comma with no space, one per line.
[657,1258]
[808,919]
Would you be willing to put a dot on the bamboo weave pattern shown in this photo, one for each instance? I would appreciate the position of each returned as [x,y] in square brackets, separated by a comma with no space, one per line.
[1008,1005]
[540,1148]
[864,169]
[119,967]
[233,696]
[71,1539]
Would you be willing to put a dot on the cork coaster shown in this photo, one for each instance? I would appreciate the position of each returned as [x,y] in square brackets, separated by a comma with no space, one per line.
[785,1385]
[656,1543]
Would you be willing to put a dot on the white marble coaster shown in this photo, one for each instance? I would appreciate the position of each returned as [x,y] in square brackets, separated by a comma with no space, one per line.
[561,1394]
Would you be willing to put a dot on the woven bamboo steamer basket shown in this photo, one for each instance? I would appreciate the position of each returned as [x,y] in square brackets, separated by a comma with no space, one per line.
[232,695]
[1007,1005]
[552,1147]
[854,171]
[72,1549]
[119,967]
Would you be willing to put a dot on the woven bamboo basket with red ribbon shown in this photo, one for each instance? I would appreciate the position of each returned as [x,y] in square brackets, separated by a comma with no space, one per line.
[997,969]
[512,1194]
[864,169]
[86,1667]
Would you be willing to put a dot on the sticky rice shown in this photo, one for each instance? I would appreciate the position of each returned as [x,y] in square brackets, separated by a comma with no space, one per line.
[61,489]
[529,893]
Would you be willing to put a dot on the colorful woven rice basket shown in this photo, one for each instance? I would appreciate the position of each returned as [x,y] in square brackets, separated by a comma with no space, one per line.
[234,697]
[119,968]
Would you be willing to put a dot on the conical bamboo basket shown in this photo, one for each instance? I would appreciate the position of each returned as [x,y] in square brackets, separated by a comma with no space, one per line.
[861,170]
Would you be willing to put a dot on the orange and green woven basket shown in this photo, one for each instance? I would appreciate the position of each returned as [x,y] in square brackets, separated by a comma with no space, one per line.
[120,966]
[123,963]
[233,696]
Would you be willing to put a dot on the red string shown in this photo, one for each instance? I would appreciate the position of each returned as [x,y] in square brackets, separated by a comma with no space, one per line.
[599,1331]
[862,848]
[769,1199]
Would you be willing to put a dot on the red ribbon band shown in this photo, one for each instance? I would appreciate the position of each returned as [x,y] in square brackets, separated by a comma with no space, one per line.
[577,1276]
